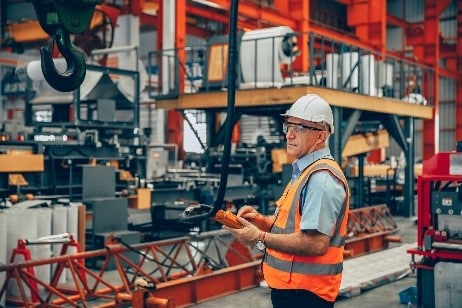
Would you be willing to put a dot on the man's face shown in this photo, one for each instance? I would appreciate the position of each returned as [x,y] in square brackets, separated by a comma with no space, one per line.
[303,136]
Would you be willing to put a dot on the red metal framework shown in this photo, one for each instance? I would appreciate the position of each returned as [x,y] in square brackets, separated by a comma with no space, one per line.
[184,271]
[370,229]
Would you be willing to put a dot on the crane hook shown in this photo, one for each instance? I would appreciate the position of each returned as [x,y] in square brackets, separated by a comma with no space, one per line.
[75,73]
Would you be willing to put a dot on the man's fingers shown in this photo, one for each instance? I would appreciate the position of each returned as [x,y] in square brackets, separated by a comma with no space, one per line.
[246,209]
[244,222]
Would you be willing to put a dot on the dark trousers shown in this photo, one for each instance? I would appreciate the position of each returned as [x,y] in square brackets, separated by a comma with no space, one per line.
[297,299]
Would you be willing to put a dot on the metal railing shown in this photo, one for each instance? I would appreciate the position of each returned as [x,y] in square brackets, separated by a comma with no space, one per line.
[268,62]
[169,265]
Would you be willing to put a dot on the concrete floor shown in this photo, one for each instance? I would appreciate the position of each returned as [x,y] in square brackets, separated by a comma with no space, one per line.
[384,295]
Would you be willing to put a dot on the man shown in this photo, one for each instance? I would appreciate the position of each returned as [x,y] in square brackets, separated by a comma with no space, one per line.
[304,240]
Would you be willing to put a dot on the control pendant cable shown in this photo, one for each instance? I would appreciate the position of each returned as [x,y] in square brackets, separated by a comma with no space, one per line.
[200,212]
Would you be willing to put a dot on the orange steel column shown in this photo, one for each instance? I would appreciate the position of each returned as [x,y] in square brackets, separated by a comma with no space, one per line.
[160,27]
[429,52]
[282,6]
[300,10]
[369,18]
[180,39]
[459,69]
[175,128]
[260,13]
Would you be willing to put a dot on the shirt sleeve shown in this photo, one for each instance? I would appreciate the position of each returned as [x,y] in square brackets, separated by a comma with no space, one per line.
[322,199]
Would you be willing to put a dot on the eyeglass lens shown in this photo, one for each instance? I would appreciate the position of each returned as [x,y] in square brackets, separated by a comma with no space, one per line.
[296,127]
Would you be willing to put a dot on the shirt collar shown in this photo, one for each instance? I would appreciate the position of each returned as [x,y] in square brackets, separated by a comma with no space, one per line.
[300,164]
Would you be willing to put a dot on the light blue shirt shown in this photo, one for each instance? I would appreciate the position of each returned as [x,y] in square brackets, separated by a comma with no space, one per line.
[323,196]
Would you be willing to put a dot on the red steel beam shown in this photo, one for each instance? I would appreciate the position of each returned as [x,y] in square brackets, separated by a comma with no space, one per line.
[429,51]
[300,10]
[369,18]
[282,6]
[152,21]
[396,21]
[260,13]
[210,14]
[189,291]
[339,37]
[220,16]
[449,73]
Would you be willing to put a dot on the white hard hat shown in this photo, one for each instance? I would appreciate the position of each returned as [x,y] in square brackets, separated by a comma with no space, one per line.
[313,108]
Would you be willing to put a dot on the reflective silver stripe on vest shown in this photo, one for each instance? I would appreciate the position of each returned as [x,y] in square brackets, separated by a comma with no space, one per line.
[304,268]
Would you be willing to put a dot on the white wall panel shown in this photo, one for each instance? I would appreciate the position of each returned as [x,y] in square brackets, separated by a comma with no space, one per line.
[447,141]
[447,114]
[395,8]
[414,10]
[395,38]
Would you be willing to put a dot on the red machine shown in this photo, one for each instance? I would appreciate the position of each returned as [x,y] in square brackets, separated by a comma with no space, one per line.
[439,232]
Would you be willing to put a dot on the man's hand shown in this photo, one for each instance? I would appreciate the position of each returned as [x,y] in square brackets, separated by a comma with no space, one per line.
[253,216]
[248,212]
[247,235]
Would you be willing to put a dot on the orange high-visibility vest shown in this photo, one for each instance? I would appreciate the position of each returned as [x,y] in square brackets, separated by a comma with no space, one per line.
[321,275]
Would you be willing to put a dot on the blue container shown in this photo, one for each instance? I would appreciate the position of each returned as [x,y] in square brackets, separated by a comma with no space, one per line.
[408,295]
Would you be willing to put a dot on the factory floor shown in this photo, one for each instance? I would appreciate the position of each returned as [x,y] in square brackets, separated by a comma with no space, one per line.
[373,280]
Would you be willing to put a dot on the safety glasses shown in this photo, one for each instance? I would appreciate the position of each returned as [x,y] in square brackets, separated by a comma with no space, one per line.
[297,128]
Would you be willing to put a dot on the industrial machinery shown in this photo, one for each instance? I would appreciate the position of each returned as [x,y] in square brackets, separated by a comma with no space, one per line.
[96,124]
[252,162]
[439,232]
